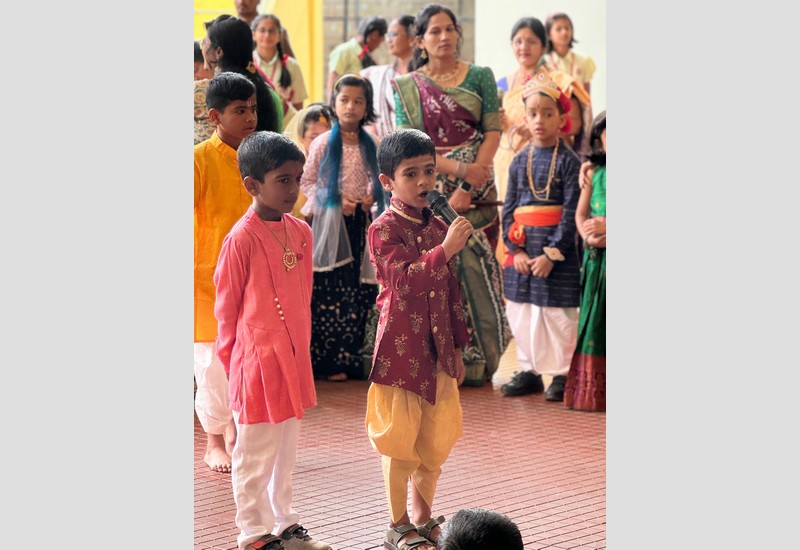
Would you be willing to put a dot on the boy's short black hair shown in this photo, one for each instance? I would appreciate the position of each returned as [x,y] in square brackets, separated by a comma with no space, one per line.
[479,529]
[400,145]
[225,88]
[263,152]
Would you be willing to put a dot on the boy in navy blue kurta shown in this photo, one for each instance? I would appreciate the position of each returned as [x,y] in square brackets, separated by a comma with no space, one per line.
[541,273]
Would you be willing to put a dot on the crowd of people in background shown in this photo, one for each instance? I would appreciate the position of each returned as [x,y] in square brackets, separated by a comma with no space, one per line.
[417,303]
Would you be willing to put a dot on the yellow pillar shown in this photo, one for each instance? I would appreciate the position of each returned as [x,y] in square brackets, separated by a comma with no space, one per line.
[206,10]
[303,21]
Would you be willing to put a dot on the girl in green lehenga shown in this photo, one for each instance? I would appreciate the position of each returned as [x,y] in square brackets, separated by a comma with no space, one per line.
[586,382]
[455,103]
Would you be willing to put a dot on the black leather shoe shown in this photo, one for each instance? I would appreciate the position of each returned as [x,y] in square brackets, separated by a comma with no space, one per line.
[555,392]
[523,383]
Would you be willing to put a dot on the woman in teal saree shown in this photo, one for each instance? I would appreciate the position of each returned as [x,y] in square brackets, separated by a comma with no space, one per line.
[455,103]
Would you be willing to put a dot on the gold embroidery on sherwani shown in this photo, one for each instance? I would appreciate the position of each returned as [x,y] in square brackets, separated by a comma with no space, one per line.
[402,291]
[397,265]
[450,362]
[442,340]
[380,259]
[416,322]
[383,232]
[388,324]
[398,383]
[384,364]
[426,347]
[441,273]
[400,343]
[413,367]
[423,389]
[443,299]
[460,312]
[416,268]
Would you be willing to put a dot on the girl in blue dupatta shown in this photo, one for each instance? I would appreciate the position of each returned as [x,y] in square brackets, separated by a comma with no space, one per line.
[341,184]
[455,103]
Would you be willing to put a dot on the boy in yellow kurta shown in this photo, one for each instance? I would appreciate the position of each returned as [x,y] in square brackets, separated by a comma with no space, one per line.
[220,199]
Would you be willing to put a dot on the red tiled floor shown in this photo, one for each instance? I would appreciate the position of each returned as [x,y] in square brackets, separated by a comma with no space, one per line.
[537,462]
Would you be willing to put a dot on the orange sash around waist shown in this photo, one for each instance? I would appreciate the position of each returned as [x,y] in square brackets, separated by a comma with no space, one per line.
[532,216]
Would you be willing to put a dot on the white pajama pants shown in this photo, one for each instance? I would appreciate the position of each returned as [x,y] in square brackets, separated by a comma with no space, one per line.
[211,400]
[261,474]
[545,336]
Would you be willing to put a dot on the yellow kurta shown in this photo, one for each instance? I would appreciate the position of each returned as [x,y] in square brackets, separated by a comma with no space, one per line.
[220,199]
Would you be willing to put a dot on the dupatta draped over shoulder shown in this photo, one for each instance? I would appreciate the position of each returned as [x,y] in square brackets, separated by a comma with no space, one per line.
[456,118]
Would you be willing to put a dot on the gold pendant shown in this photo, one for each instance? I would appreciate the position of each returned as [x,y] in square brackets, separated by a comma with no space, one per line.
[289,259]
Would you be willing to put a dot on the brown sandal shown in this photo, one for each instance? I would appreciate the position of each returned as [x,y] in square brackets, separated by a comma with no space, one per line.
[425,529]
[394,534]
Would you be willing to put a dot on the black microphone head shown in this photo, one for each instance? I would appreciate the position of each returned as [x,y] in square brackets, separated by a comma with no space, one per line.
[433,196]
[440,206]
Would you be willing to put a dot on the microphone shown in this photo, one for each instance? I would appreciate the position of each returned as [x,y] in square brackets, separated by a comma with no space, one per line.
[442,208]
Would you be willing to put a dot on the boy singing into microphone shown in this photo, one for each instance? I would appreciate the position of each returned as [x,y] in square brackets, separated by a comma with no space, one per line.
[413,411]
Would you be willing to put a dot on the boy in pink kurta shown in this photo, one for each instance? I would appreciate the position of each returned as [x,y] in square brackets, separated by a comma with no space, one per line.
[263,279]
[413,410]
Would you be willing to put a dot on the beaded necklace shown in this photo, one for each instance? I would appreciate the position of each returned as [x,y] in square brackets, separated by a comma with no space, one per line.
[544,194]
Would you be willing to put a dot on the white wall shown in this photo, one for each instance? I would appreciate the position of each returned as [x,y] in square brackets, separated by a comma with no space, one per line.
[495,18]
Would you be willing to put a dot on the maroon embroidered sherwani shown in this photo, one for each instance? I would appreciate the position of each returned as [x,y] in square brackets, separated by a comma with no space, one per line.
[422,318]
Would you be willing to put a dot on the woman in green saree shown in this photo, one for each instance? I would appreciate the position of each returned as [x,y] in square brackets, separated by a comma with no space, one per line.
[455,103]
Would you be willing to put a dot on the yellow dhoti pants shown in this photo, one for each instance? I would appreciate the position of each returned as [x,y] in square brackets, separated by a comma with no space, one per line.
[413,437]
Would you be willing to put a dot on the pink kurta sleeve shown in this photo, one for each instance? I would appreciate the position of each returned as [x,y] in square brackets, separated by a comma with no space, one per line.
[230,278]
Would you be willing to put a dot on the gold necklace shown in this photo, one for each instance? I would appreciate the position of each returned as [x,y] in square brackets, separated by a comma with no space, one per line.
[544,194]
[439,78]
[351,135]
[289,257]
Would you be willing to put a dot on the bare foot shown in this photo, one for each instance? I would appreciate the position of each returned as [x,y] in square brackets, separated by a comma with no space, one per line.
[230,437]
[216,458]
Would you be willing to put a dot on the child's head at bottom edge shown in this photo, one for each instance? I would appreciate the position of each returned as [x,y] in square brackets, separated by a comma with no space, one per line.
[271,166]
[407,165]
[479,529]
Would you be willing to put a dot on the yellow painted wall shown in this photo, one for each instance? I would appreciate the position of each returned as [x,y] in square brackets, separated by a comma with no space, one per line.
[302,20]
[206,10]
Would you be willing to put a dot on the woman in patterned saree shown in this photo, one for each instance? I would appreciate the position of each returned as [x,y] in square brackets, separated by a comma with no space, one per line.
[528,42]
[456,104]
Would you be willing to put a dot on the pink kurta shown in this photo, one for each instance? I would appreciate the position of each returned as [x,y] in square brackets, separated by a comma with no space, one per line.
[264,318]
[422,318]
